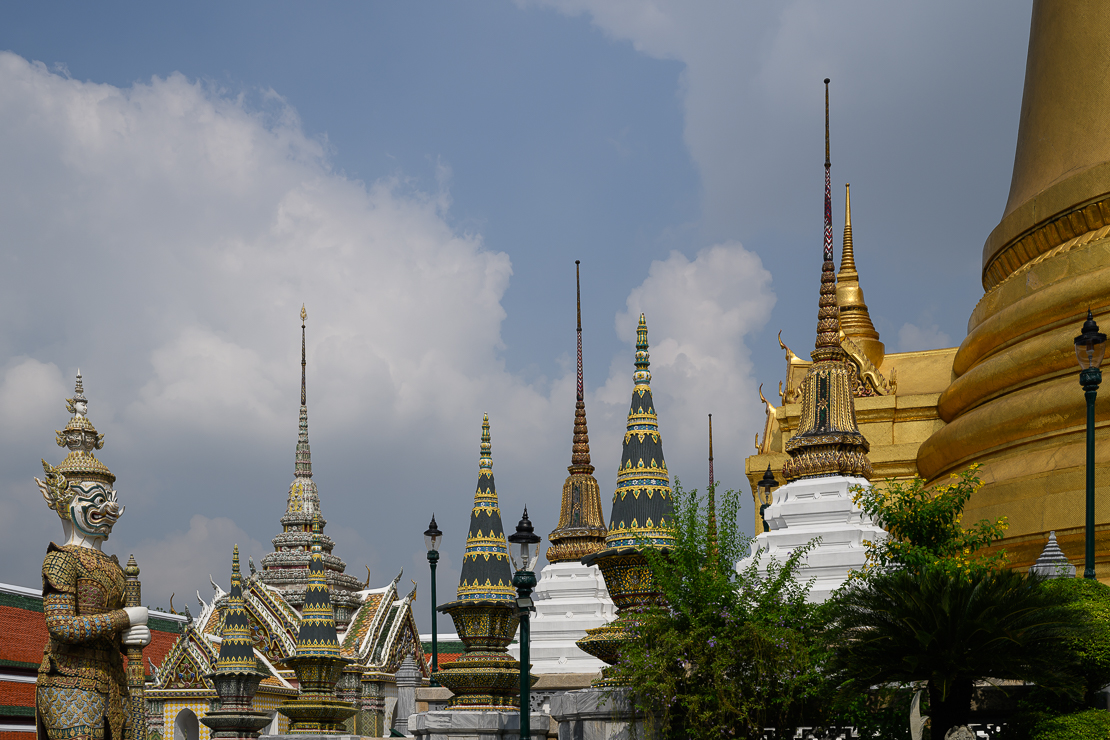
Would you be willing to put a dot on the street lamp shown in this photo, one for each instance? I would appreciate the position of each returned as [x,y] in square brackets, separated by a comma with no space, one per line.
[431,540]
[524,550]
[1090,346]
[766,483]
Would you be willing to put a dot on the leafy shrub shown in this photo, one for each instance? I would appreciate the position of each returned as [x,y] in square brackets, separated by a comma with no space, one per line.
[1093,647]
[1092,724]
[924,524]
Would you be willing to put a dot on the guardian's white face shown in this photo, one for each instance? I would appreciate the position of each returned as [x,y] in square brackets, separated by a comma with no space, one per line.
[94,510]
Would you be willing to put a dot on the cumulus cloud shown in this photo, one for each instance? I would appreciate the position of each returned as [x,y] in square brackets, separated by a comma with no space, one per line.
[164,236]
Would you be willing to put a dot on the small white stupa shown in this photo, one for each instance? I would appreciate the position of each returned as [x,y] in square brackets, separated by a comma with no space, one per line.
[570,597]
[828,455]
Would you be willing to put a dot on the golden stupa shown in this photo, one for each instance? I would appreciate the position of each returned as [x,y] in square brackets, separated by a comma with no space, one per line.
[1008,398]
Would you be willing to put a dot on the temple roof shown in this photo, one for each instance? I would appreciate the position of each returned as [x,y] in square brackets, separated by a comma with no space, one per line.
[486,573]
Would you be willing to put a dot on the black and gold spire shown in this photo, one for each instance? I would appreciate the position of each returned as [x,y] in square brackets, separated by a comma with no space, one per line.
[486,573]
[828,441]
[236,646]
[581,529]
[643,511]
[317,637]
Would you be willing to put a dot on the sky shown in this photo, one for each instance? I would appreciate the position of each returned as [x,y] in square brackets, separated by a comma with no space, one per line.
[176,181]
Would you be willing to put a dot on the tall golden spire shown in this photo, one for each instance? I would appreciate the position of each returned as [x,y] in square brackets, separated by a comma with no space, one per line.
[855,321]
[581,529]
[828,441]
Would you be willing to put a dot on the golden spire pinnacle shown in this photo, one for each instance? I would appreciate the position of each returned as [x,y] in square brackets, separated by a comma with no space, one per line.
[855,321]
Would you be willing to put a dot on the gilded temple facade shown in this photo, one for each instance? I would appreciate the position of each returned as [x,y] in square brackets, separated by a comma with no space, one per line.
[1008,398]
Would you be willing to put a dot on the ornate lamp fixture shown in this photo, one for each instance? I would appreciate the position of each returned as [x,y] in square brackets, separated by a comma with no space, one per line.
[765,485]
[1090,348]
[432,537]
[524,552]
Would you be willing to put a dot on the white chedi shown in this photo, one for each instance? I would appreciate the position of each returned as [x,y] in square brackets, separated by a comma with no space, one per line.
[570,598]
[817,509]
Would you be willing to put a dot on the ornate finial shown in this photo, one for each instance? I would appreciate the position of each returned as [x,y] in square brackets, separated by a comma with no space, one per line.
[304,316]
[847,257]
[131,570]
[302,467]
[235,561]
[580,451]
[711,445]
[828,324]
[827,162]
[485,452]
[853,317]
[642,376]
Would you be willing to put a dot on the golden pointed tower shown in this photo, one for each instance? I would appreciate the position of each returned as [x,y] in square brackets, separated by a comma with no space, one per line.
[855,321]
[581,529]
[828,441]
[1015,406]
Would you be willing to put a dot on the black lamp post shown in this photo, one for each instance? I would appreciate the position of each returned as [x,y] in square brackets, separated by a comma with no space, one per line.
[1090,347]
[766,483]
[524,551]
[431,540]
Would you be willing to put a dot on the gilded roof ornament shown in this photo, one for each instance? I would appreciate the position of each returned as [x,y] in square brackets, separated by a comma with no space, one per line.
[581,529]
[828,441]
[855,321]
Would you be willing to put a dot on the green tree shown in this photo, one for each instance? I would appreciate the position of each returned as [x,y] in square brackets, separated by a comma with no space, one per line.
[951,630]
[924,526]
[731,653]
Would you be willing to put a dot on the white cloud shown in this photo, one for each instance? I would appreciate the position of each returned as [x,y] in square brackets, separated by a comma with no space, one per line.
[912,337]
[182,562]
[164,237]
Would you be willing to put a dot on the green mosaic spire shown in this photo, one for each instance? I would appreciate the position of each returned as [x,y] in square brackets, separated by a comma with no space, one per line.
[236,647]
[486,573]
[643,509]
[317,637]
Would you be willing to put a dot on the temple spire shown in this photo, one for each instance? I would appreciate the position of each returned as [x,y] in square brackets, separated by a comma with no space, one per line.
[303,466]
[581,529]
[486,573]
[643,512]
[828,441]
[711,534]
[855,321]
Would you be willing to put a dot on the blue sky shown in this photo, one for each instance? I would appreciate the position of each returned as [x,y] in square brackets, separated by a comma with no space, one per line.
[175,181]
